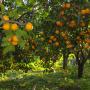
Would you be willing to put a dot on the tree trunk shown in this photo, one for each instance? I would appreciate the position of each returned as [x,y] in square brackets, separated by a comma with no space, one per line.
[65,61]
[80,70]
[81,60]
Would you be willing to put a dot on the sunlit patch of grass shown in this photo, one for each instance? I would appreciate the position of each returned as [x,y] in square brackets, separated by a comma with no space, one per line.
[19,80]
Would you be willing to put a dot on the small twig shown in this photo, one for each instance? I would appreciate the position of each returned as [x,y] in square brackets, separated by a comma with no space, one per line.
[10,21]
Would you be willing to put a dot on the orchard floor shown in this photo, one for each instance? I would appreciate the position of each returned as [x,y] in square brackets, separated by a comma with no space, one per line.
[61,80]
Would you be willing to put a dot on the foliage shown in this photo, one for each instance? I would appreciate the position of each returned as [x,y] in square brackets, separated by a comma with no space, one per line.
[51,81]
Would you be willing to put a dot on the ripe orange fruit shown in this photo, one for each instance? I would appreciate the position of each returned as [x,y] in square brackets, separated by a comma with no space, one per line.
[6,26]
[82,33]
[49,41]
[68,5]
[52,37]
[5,18]
[63,34]
[28,26]
[82,24]
[56,44]
[69,46]
[87,47]
[57,32]
[87,11]
[72,24]
[80,41]
[65,37]
[78,38]
[59,23]
[68,42]
[14,27]
[88,31]
[83,12]
[87,40]
[14,43]
[33,47]
[15,38]
[61,13]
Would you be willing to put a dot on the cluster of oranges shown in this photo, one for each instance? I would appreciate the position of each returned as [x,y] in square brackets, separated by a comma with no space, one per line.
[86,40]
[85,11]
[7,26]
[53,39]
[66,5]
[59,23]
[14,27]
[66,39]
[57,42]
[72,23]
[13,40]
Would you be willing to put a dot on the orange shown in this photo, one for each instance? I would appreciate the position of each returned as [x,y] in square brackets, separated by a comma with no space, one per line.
[33,41]
[49,41]
[87,11]
[65,37]
[57,31]
[6,26]
[62,13]
[14,27]
[56,44]
[82,33]
[87,47]
[63,34]
[87,40]
[68,5]
[72,24]
[59,23]
[83,12]
[14,38]
[14,43]
[28,26]
[52,37]
[33,47]
[80,41]
[68,42]
[82,24]
[69,46]
[88,31]
[78,38]
[5,18]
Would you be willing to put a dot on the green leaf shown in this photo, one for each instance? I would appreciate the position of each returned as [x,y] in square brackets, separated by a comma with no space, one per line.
[9,48]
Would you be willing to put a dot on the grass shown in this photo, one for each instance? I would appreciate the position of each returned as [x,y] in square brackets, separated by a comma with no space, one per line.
[62,80]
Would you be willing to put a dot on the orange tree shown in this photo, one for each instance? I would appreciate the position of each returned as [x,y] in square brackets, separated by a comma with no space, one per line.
[20,30]
[73,25]
[40,30]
